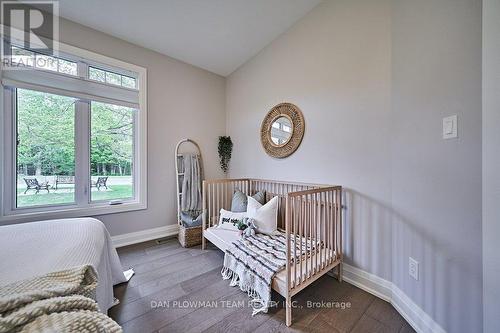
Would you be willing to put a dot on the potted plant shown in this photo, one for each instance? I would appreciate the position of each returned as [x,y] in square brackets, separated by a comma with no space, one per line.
[225,149]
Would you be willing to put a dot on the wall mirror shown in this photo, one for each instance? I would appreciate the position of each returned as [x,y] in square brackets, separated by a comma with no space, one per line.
[282,130]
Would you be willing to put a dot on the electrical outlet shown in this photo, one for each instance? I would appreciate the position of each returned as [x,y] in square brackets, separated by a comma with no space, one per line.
[413,268]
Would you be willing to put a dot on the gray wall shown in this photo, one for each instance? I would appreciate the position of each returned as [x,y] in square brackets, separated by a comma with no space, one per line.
[436,183]
[183,101]
[491,165]
[374,80]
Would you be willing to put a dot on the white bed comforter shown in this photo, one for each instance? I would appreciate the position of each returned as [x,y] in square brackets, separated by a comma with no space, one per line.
[32,249]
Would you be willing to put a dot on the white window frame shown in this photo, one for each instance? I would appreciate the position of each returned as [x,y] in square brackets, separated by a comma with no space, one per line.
[83,205]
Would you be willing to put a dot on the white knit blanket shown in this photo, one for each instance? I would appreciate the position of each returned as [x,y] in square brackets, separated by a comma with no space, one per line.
[61,301]
[252,262]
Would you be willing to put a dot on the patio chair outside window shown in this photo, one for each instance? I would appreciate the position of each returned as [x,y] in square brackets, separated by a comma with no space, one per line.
[101,182]
[33,184]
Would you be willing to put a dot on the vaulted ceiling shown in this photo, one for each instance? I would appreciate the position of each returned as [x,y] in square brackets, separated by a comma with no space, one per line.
[217,35]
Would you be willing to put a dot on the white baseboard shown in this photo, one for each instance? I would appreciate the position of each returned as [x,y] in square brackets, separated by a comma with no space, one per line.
[388,291]
[145,235]
[413,314]
[368,282]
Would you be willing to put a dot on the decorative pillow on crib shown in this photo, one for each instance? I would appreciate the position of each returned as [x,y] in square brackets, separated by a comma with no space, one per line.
[229,220]
[265,216]
[240,201]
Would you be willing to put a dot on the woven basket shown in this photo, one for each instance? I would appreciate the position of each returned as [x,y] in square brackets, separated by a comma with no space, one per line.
[189,237]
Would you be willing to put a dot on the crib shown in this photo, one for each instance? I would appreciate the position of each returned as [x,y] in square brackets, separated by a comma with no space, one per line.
[311,212]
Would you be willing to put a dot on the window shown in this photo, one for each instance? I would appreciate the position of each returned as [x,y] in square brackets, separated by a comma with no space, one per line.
[111,151]
[75,135]
[27,58]
[97,74]
[22,57]
[128,82]
[45,147]
[66,67]
[108,77]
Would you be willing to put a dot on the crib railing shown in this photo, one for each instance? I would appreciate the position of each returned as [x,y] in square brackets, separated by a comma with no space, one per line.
[310,214]
[313,217]
[217,194]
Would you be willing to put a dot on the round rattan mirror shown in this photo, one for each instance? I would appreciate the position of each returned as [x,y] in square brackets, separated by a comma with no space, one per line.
[282,130]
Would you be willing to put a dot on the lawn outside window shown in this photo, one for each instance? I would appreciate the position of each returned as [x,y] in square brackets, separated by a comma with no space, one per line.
[74,140]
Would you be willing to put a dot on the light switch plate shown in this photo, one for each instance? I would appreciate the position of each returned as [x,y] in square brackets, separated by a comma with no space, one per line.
[413,268]
[450,127]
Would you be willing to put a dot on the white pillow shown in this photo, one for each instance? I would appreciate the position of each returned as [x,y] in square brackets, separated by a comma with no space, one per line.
[229,220]
[265,216]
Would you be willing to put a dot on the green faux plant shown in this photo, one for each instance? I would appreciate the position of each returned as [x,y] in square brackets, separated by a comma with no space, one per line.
[225,150]
[242,225]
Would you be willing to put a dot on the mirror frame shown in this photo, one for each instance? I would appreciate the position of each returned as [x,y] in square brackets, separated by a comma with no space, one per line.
[293,113]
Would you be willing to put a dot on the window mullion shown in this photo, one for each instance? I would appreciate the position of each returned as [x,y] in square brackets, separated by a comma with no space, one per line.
[82,153]
[8,159]
[82,70]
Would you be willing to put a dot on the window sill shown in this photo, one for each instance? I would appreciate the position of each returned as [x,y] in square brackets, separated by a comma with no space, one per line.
[70,212]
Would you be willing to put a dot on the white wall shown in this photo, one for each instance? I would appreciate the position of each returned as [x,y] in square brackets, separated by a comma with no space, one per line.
[183,101]
[335,65]
[374,79]
[491,165]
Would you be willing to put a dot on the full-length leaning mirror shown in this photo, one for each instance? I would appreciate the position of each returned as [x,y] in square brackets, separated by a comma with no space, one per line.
[282,130]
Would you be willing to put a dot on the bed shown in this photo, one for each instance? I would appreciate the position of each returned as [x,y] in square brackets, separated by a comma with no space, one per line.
[307,212]
[32,249]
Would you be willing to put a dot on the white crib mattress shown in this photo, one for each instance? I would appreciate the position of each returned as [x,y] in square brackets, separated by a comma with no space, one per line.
[222,238]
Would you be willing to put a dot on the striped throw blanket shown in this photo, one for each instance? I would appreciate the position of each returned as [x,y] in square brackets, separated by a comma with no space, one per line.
[253,261]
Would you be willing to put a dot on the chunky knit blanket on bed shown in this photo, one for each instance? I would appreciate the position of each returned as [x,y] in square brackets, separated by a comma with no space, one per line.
[56,302]
[253,261]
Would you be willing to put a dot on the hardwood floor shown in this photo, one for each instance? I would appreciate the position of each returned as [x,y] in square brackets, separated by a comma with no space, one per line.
[181,290]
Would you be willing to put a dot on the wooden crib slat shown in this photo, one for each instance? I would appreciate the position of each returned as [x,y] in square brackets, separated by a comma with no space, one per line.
[216,201]
[337,220]
[320,221]
[339,209]
[340,250]
[212,216]
[310,235]
[295,222]
[219,197]
[325,238]
[315,235]
[315,231]
[306,236]
[327,229]
[334,231]
[288,217]
[302,212]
